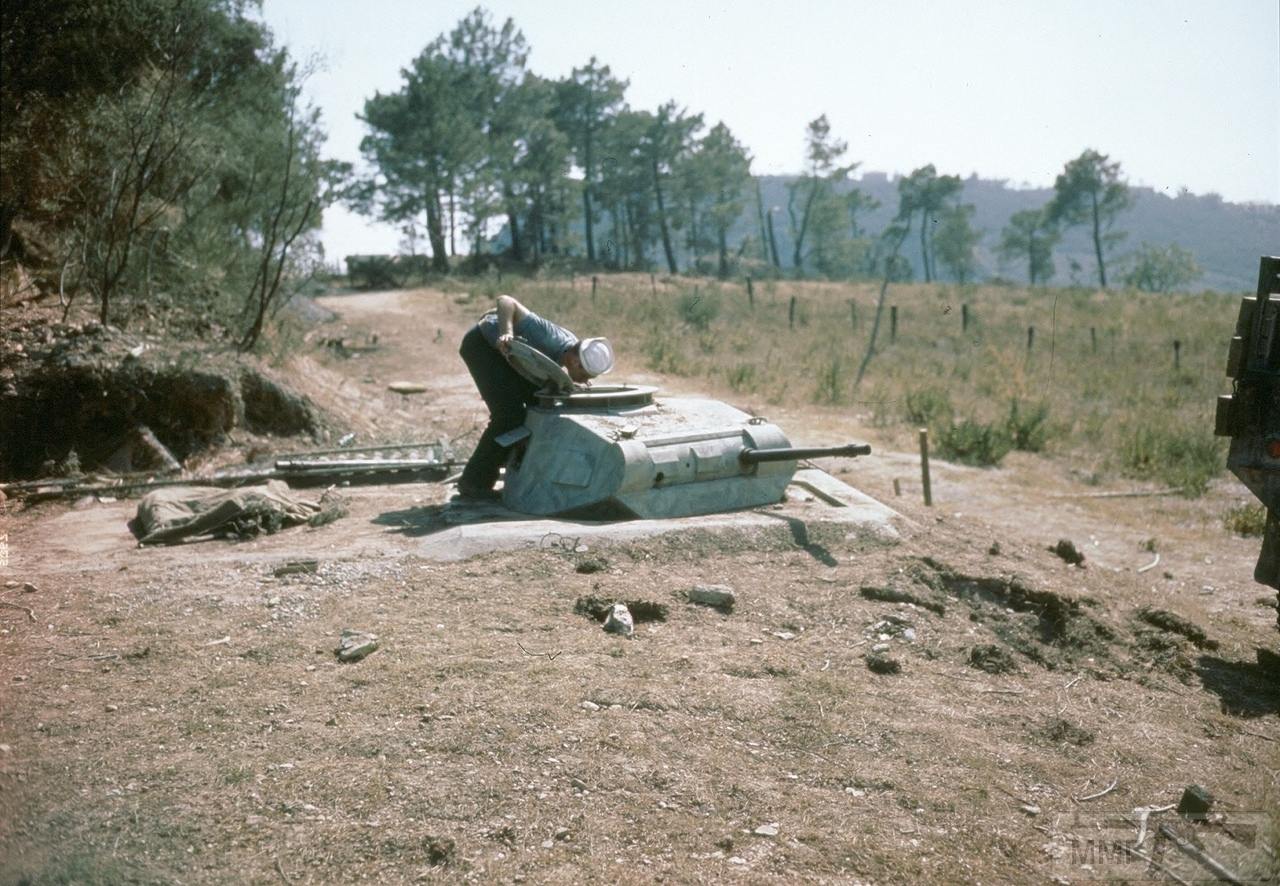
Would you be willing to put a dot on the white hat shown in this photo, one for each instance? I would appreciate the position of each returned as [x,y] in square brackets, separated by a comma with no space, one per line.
[596,355]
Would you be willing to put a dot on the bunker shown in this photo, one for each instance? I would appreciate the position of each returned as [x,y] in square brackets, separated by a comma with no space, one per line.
[616,452]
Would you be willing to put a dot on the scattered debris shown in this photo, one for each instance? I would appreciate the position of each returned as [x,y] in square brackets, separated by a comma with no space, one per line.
[719,597]
[1058,731]
[31,616]
[767,830]
[619,621]
[783,635]
[333,507]
[591,565]
[296,567]
[141,450]
[599,608]
[1067,550]
[1206,860]
[1030,808]
[992,659]
[1176,624]
[890,595]
[355,645]
[178,513]
[1102,793]
[407,387]
[1195,803]
[221,641]
[1149,566]
[878,663]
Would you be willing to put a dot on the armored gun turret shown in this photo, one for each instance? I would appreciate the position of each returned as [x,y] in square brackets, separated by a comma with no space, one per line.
[620,452]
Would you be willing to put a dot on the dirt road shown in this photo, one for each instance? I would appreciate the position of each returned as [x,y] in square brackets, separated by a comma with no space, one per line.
[178,714]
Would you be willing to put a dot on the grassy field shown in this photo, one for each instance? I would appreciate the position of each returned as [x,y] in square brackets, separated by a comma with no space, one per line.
[1095,382]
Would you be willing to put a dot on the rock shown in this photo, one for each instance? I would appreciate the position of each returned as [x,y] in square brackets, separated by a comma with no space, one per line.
[296,567]
[909,635]
[561,834]
[29,588]
[111,708]
[589,706]
[783,635]
[717,596]
[994,550]
[737,859]
[1066,549]
[878,663]
[591,565]
[992,659]
[619,621]
[767,830]
[355,645]
[407,387]
[880,647]
[1030,809]
[1195,803]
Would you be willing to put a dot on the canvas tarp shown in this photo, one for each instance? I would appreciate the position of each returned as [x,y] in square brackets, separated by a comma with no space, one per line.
[177,513]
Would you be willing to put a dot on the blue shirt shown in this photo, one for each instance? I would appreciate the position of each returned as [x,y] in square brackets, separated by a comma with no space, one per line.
[539,332]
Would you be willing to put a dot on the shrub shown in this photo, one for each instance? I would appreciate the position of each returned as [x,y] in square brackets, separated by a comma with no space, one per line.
[928,406]
[1187,458]
[698,310]
[1249,520]
[830,381]
[1026,427]
[972,442]
[742,377]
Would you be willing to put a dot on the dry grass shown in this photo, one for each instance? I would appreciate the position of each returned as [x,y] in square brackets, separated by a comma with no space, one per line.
[1119,409]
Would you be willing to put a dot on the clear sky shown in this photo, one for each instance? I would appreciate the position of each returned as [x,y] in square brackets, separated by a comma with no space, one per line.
[1184,93]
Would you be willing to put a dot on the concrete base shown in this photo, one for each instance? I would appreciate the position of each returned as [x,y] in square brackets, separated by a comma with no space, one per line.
[813,497]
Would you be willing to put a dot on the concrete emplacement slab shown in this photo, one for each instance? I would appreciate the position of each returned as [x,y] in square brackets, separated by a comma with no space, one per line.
[813,497]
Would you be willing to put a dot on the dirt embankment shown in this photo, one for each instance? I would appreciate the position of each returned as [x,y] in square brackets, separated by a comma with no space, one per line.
[73,394]
[957,705]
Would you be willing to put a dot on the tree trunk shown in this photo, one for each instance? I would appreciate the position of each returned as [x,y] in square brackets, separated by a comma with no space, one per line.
[513,221]
[924,245]
[662,220]
[1097,240]
[773,242]
[435,233]
[764,236]
[453,246]
[724,252]
[875,325]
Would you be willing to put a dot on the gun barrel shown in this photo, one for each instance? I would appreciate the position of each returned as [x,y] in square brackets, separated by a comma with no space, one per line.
[756,456]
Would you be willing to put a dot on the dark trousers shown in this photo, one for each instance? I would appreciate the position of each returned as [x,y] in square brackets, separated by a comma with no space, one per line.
[506,393]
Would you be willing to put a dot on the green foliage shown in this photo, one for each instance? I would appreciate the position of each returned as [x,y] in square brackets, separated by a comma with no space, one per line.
[925,407]
[1161,269]
[926,193]
[1026,427]
[1030,235]
[1248,520]
[698,309]
[972,442]
[742,377]
[956,240]
[1090,192]
[1183,457]
[812,205]
[831,380]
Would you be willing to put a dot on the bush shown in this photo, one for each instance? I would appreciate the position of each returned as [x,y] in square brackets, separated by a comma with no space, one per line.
[1026,428]
[1187,458]
[972,442]
[830,381]
[928,406]
[742,377]
[1249,520]
[698,310]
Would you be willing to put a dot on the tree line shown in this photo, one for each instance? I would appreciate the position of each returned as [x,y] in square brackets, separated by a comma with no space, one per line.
[161,149]
[473,139]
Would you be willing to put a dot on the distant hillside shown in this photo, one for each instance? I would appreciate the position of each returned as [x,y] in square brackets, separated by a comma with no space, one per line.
[1226,238]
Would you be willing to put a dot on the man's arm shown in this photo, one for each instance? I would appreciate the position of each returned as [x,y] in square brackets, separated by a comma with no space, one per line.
[510,312]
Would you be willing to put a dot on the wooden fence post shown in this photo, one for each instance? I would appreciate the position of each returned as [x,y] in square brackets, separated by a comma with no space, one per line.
[751,294]
[791,314]
[594,281]
[853,313]
[1031,339]
[924,466]
[893,323]
[653,284]
[1177,355]
[1093,338]
[964,318]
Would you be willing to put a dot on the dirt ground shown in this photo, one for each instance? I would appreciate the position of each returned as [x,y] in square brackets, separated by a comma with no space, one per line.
[958,705]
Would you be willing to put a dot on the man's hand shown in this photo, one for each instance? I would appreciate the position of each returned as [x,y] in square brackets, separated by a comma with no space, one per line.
[504,343]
